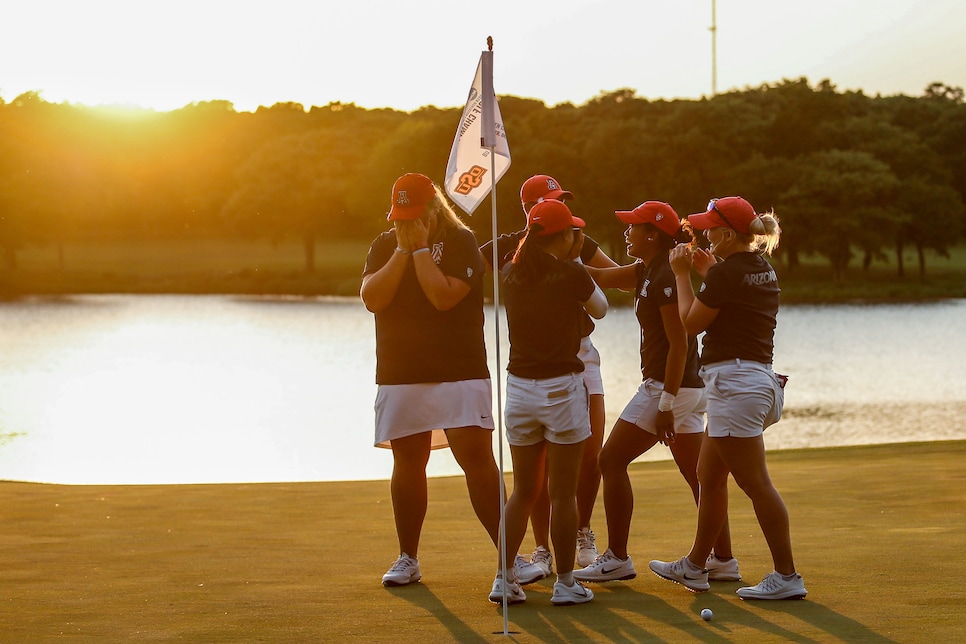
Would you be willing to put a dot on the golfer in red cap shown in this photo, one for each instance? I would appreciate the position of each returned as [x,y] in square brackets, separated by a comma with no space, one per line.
[538,188]
[423,281]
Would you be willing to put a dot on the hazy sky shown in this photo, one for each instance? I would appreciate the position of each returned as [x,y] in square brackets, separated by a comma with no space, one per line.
[165,54]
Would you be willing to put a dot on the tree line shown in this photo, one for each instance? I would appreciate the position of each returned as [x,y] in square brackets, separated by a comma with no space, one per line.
[850,176]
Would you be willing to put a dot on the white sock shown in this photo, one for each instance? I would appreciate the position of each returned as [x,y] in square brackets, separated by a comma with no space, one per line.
[509,575]
[566,578]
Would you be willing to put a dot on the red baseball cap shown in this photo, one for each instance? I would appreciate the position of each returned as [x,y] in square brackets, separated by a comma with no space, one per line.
[542,186]
[410,194]
[659,214]
[731,212]
[553,216]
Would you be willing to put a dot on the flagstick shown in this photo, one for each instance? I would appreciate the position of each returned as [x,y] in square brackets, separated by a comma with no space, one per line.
[499,397]
[466,185]
[487,141]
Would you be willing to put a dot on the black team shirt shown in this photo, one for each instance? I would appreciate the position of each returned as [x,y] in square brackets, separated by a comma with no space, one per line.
[655,289]
[415,343]
[545,319]
[744,289]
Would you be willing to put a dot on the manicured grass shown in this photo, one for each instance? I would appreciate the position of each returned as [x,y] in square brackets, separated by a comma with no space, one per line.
[189,266]
[945,277]
[878,533]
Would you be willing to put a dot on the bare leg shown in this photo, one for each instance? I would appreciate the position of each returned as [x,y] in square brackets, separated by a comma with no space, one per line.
[563,461]
[722,545]
[540,515]
[686,449]
[589,482]
[527,480]
[746,460]
[473,449]
[408,489]
[712,501]
[625,443]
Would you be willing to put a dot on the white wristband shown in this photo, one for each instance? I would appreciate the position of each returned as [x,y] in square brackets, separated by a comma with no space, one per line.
[419,250]
[667,401]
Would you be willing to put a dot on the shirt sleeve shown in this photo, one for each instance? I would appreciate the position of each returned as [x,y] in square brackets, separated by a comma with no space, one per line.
[588,250]
[583,283]
[462,258]
[663,289]
[714,290]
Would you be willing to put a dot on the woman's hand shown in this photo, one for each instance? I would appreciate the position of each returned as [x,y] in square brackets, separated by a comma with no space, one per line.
[665,427]
[576,246]
[680,259]
[702,260]
[420,234]
[403,236]
[411,235]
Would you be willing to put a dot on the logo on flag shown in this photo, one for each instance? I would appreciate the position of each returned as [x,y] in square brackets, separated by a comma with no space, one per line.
[472,178]
[468,176]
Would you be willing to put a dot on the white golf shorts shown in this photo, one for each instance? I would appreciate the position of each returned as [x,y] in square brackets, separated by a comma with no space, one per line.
[744,398]
[590,356]
[550,409]
[689,407]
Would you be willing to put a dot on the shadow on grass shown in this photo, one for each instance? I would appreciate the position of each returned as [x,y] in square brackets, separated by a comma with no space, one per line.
[822,618]
[421,596]
[615,615]
[621,613]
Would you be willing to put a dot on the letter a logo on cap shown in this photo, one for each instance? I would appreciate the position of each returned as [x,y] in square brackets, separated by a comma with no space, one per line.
[402,198]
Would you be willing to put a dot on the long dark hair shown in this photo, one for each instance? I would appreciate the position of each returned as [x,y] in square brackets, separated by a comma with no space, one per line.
[524,268]
[682,236]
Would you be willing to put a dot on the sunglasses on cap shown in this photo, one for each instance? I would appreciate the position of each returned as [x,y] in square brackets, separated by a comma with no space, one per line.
[712,206]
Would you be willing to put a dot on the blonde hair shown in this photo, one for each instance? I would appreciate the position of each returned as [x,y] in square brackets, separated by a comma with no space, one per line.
[448,219]
[764,232]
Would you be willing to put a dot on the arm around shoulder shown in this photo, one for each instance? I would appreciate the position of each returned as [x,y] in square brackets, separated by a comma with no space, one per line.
[596,305]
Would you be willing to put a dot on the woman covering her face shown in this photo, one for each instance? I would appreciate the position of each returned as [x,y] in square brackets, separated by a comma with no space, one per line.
[423,281]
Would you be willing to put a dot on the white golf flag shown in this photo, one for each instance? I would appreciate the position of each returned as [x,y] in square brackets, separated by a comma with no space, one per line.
[468,174]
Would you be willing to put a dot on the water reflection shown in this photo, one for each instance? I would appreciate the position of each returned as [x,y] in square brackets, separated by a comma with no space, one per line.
[160,389]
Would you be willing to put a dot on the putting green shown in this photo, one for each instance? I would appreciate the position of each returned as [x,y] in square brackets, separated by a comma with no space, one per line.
[879,535]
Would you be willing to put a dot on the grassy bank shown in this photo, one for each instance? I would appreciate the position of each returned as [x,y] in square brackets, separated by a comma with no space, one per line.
[190,266]
[877,532]
[260,267]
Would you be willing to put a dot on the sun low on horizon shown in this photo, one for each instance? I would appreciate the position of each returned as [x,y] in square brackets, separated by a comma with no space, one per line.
[166,55]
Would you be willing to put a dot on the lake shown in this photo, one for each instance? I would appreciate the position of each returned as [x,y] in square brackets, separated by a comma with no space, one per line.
[121,389]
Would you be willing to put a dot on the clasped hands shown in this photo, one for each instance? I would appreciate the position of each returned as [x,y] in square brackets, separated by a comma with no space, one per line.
[683,258]
[411,235]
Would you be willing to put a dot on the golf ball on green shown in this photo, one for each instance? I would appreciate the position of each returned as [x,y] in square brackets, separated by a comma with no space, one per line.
[706,614]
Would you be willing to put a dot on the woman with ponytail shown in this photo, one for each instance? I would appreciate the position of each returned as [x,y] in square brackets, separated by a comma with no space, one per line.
[669,405]
[736,308]
[546,295]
